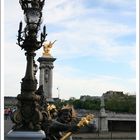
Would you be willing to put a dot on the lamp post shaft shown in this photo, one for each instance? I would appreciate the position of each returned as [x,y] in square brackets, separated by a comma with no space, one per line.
[29,82]
[29,69]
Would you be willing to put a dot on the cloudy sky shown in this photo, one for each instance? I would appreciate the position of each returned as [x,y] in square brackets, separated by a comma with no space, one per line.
[95,48]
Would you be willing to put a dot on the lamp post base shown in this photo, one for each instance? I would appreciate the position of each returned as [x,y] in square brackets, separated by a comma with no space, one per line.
[25,135]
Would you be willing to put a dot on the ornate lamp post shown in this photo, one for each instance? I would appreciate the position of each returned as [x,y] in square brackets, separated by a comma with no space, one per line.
[28,115]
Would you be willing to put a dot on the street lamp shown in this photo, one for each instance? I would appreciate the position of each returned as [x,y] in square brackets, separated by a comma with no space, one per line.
[28,116]
[27,39]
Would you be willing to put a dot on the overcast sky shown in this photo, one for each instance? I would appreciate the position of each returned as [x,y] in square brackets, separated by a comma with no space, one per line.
[95,48]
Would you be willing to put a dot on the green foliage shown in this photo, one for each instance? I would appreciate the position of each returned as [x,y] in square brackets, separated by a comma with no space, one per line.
[119,103]
[116,102]
[90,104]
[78,104]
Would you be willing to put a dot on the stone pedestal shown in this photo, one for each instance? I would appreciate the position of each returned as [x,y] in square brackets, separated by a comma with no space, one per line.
[25,135]
[103,122]
[103,117]
[46,74]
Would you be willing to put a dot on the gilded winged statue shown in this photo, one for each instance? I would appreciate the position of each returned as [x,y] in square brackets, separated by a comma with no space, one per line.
[47,48]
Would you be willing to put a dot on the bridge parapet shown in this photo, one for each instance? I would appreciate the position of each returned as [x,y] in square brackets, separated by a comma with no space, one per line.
[119,116]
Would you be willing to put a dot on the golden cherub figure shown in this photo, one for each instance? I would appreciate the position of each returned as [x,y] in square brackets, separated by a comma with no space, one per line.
[47,48]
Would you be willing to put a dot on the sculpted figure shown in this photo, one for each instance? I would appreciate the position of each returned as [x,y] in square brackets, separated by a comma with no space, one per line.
[54,126]
[47,48]
[67,117]
[58,124]
[67,114]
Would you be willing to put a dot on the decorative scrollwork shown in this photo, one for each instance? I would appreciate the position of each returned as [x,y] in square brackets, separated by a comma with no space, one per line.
[27,39]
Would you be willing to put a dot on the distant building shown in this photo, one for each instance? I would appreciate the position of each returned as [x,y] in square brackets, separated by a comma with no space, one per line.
[110,93]
[57,99]
[72,98]
[107,95]
[87,97]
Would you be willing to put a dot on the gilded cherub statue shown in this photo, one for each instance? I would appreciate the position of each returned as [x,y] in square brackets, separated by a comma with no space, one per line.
[47,48]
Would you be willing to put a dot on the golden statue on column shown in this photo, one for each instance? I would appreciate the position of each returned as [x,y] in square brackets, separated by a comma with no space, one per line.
[47,48]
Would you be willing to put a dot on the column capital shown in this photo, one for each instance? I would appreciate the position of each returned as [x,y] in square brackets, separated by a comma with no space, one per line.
[46,59]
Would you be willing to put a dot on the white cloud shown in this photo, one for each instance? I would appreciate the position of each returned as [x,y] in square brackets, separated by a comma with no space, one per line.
[90,38]
[94,86]
[62,10]
[119,2]
[133,64]
[12,11]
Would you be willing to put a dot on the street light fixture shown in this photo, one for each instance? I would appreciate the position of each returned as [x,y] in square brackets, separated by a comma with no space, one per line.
[32,11]
[27,39]
[29,116]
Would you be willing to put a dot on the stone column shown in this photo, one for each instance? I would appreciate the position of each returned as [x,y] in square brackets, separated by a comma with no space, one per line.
[103,117]
[46,74]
